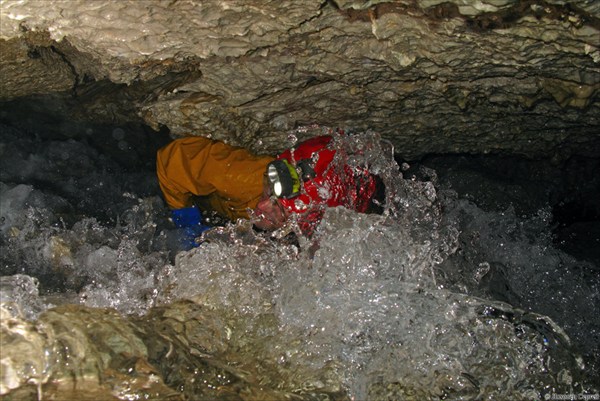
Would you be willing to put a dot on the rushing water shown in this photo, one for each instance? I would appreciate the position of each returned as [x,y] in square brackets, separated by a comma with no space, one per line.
[435,298]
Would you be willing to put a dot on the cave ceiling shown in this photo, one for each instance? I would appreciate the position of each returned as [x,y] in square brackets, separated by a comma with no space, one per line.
[481,76]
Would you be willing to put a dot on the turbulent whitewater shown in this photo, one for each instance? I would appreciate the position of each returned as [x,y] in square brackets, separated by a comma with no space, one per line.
[433,299]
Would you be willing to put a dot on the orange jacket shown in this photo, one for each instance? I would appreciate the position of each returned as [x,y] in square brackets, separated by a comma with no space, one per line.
[229,179]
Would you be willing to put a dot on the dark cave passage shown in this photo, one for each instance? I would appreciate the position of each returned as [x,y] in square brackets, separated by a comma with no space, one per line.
[480,279]
[92,229]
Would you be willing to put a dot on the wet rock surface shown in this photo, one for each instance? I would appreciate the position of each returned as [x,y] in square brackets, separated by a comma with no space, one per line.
[440,297]
[472,77]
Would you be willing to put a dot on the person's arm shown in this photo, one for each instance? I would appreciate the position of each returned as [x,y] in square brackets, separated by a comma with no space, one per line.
[179,167]
[180,170]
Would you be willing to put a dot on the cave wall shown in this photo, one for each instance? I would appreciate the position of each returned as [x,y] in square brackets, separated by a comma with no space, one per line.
[480,76]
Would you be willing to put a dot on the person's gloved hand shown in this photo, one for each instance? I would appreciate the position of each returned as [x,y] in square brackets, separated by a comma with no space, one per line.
[188,220]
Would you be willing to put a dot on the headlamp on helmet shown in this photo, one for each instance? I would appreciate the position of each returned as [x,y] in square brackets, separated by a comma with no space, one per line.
[283,179]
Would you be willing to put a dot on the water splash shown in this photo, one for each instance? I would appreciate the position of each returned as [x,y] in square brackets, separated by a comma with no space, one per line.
[371,307]
[512,259]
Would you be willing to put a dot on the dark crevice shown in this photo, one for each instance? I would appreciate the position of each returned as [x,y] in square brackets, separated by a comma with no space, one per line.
[501,19]
[70,66]
[569,190]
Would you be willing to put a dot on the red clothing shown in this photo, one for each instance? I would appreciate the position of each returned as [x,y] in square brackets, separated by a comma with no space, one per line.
[230,180]
[334,182]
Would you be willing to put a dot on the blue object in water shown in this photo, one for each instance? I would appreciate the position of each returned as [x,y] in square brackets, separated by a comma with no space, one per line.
[189,221]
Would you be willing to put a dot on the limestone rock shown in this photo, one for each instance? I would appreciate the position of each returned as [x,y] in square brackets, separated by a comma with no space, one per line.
[479,76]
